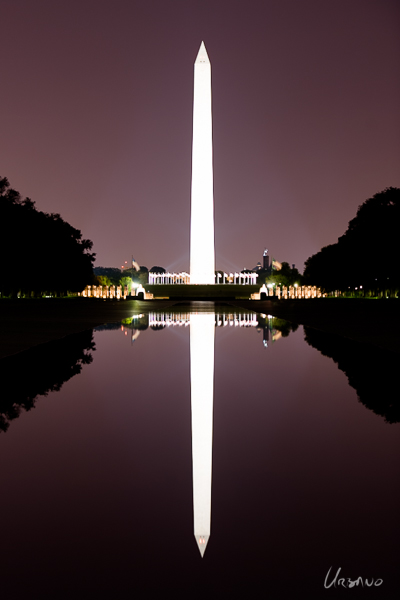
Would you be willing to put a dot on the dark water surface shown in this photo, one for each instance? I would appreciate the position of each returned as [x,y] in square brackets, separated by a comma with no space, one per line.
[97,499]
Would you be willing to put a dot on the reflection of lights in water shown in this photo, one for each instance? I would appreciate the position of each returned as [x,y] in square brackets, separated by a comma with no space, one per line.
[175,319]
[135,335]
[221,320]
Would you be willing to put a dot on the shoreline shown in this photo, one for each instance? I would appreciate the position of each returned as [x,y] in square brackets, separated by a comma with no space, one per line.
[373,322]
[27,323]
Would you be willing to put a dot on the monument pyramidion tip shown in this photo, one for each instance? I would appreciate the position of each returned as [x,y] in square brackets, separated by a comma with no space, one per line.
[202,56]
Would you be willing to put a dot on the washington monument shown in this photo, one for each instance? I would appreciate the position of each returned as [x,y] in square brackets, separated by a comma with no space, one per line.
[202,250]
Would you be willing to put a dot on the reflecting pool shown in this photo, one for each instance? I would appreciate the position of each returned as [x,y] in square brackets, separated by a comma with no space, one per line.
[196,451]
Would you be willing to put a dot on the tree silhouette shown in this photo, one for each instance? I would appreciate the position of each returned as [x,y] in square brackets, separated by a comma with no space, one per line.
[368,253]
[40,253]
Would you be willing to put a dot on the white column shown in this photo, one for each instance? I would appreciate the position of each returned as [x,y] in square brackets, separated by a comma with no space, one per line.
[202,252]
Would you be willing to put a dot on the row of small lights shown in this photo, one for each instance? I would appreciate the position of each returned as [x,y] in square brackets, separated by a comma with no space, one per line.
[270,285]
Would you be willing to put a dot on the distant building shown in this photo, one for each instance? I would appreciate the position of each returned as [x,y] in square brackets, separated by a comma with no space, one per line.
[265,266]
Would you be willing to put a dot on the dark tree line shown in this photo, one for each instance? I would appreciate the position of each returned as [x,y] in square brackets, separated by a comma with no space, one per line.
[367,257]
[114,276]
[40,253]
[285,276]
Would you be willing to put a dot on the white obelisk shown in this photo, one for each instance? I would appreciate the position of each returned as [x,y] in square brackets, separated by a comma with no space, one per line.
[202,250]
[202,333]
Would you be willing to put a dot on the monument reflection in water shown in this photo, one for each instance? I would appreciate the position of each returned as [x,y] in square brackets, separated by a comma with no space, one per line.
[202,339]
[202,333]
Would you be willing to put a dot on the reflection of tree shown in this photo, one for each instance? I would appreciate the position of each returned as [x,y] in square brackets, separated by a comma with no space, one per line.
[40,370]
[140,322]
[371,371]
[275,324]
[108,327]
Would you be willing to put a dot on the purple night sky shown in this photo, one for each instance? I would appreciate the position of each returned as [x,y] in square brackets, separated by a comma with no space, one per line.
[96,120]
